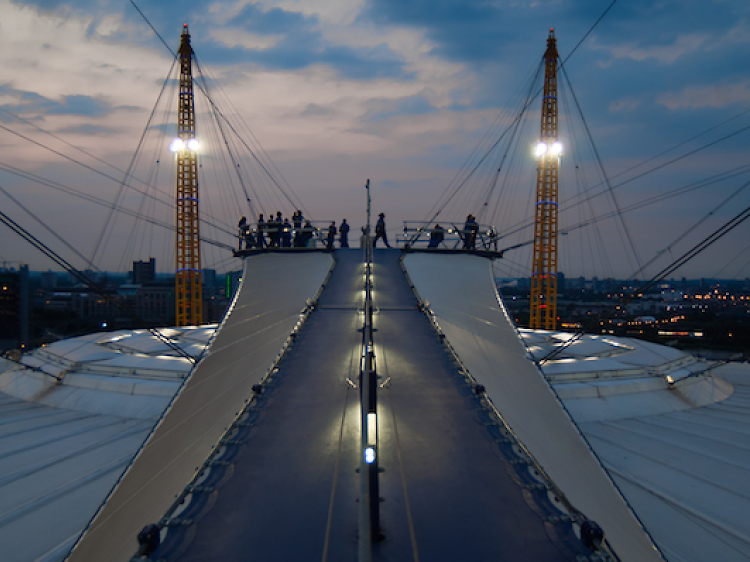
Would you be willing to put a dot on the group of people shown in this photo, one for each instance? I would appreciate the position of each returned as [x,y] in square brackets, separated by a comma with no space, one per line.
[468,235]
[279,232]
[343,232]
[276,232]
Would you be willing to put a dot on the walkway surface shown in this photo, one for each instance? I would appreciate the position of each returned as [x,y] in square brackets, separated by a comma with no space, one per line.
[289,488]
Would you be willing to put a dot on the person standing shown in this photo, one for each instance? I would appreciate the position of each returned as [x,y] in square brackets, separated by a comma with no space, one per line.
[286,234]
[436,236]
[331,235]
[344,234]
[380,232]
[242,227]
[260,241]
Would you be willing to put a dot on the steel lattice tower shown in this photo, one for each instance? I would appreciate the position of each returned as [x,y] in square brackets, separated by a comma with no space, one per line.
[188,285]
[544,272]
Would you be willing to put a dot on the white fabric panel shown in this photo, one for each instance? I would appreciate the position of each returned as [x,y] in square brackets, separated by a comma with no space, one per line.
[461,293]
[275,288]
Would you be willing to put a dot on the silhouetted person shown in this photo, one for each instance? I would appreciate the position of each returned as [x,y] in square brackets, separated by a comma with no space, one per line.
[286,234]
[260,242]
[493,238]
[307,234]
[242,232]
[436,236]
[380,232]
[274,227]
[331,236]
[470,233]
[344,234]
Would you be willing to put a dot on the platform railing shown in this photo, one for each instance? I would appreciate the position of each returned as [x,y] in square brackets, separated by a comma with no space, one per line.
[449,236]
[261,236]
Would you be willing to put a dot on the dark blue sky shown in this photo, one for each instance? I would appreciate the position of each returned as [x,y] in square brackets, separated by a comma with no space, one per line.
[398,92]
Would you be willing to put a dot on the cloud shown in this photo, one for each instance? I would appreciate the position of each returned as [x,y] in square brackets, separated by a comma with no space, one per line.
[87,129]
[666,53]
[315,110]
[384,109]
[31,102]
[624,104]
[710,95]
[276,38]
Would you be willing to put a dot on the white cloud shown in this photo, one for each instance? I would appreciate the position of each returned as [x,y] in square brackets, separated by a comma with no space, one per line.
[624,104]
[712,95]
[665,54]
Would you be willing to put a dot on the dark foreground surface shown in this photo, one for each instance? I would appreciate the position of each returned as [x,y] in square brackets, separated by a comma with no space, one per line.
[288,489]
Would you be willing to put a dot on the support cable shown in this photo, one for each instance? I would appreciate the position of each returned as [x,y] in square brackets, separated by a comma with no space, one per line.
[120,190]
[82,277]
[600,163]
[695,250]
[211,102]
[98,201]
[518,117]
[691,228]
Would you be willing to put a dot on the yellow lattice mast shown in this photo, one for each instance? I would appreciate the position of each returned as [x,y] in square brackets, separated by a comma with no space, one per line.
[189,305]
[544,268]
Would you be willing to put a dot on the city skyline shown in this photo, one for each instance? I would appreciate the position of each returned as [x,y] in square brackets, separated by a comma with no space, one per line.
[340,92]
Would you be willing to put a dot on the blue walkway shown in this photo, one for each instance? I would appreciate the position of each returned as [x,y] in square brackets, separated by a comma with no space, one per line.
[288,489]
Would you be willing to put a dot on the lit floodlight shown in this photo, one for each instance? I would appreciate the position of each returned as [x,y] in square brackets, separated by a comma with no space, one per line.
[177,145]
[369,455]
[193,144]
[556,148]
[540,149]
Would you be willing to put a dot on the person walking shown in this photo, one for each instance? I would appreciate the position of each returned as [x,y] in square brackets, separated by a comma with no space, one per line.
[380,232]
[344,234]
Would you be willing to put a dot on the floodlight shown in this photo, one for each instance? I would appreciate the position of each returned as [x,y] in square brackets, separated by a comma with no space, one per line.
[556,148]
[193,144]
[177,145]
[540,149]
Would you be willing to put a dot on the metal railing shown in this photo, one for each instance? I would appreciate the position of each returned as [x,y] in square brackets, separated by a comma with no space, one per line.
[259,236]
[449,235]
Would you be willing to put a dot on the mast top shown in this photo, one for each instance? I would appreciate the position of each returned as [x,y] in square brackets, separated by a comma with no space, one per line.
[185,49]
[551,52]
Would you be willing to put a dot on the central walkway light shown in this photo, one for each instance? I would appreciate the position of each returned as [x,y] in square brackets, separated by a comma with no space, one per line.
[369,455]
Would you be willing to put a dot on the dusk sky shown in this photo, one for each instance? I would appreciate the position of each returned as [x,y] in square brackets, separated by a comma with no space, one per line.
[404,93]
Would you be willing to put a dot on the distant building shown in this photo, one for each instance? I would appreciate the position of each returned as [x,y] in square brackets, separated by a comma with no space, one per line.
[48,279]
[144,271]
[155,303]
[10,310]
[209,278]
